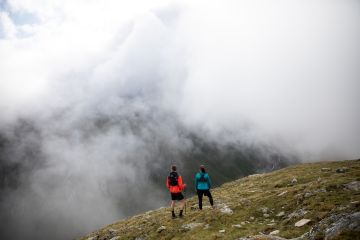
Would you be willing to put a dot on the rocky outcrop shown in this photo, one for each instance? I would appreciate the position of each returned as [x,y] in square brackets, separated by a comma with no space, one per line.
[335,226]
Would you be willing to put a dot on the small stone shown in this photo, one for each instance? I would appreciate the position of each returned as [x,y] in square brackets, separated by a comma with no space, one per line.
[236,226]
[115,238]
[308,194]
[160,229]
[272,220]
[281,194]
[242,223]
[194,207]
[222,231]
[325,169]
[275,232]
[226,210]
[321,190]
[297,214]
[342,170]
[190,226]
[280,214]
[266,215]
[206,226]
[252,218]
[302,222]
[112,231]
[294,180]
[264,210]
[271,224]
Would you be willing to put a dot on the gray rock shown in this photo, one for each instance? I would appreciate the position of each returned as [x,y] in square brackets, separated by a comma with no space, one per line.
[262,237]
[280,214]
[302,222]
[336,224]
[294,180]
[222,231]
[308,194]
[282,193]
[226,210]
[342,170]
[115,238]
[347,223]
[266,215]
[264,210]
[326,169]
[297,214]
[321,190]
[236,226]
[355,186]
[160,229]
[190,226]
[275,232]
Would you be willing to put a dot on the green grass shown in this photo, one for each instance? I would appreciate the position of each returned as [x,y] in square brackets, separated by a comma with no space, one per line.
[246,197]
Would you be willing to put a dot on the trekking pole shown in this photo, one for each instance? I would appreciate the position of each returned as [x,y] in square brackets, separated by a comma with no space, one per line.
[185,200]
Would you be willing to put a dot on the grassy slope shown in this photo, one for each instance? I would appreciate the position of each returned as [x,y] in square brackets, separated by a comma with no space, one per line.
[246,197]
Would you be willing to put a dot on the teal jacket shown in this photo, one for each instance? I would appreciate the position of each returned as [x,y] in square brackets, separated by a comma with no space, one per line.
[202,185]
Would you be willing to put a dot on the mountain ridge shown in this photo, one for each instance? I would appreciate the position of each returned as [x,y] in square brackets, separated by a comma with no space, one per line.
[306,201]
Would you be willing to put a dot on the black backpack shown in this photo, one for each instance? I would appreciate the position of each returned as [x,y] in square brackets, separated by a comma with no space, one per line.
[202,178]
[173,178]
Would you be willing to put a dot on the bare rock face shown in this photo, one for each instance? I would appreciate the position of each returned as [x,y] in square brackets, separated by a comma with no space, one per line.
[335,226]
[354,186]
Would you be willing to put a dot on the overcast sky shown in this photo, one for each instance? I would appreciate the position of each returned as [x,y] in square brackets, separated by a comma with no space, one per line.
[280,72]
[290,68]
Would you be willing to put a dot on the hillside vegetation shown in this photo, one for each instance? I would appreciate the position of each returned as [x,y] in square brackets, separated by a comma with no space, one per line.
[324,195]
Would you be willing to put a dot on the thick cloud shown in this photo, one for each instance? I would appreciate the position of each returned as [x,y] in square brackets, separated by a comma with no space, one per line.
[98,98]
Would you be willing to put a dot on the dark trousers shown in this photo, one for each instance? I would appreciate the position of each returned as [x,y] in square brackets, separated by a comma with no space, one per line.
[207,193]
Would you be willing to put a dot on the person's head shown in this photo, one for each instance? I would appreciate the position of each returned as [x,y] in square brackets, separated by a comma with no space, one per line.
[173,168]
[202,168]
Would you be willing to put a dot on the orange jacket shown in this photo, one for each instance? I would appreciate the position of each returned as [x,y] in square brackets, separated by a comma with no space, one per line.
[175,189]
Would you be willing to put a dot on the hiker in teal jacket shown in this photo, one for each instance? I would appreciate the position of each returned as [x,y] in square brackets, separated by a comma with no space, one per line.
[203,185]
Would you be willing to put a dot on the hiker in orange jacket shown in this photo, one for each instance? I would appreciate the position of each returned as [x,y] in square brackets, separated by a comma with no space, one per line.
[175,185]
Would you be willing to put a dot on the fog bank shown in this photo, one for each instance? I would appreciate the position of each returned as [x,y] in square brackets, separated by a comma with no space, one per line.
[97,99]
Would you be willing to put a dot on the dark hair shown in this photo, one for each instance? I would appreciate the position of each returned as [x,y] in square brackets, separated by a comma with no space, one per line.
[173,168]
[202,168]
